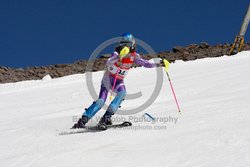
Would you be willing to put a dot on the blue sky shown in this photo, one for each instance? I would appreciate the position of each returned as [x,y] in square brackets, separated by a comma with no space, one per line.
[44,32]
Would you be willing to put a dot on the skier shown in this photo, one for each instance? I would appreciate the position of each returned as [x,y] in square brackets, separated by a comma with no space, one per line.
[118,66]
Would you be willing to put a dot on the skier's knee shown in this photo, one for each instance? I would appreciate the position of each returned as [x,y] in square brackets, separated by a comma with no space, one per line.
[121,95]
[100,103]
[117,101]
[94,108]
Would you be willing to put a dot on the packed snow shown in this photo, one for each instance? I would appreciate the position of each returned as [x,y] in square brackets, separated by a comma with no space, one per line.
[213,128]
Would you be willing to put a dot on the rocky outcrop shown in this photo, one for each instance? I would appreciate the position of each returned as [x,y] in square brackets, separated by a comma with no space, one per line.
[191,52]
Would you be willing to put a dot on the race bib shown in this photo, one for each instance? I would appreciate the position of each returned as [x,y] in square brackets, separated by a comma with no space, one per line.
[121,72]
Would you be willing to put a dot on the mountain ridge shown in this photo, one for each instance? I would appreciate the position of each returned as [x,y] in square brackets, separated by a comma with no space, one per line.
[187,53]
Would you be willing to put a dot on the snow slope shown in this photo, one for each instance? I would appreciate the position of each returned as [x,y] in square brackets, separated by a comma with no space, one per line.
[213,130]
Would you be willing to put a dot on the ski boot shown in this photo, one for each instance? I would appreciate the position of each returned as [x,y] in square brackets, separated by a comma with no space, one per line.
[81,123]
[102,126]
[89,113]
[105,121]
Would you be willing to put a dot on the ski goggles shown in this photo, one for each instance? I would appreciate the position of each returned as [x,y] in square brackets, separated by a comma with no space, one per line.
[125,43]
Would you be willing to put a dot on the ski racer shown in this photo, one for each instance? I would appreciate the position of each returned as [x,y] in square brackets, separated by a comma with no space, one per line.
[118,66]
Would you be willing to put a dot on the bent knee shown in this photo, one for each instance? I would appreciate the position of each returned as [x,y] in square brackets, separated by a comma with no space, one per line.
[121,94]
[100,103]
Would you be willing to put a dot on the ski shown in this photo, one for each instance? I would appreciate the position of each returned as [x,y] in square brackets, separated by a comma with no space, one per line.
[95,128]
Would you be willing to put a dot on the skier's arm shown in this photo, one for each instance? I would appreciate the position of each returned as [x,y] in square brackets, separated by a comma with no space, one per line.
[143,62]
[113,58]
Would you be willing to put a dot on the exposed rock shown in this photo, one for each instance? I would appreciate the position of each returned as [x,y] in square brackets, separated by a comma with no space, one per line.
[204,45]
[177,49]
[61,65]
[105,55]
[2,71]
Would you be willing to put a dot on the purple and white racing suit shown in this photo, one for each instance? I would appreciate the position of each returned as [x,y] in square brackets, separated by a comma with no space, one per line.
[116,67]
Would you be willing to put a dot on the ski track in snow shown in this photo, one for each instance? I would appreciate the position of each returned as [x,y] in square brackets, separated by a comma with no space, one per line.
[213,129]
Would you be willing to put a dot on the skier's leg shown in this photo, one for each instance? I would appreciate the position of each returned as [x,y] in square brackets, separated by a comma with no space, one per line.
[98,104]
[93,109]
[114,105]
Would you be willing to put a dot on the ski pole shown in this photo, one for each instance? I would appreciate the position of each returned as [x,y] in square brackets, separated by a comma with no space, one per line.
[166,63]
